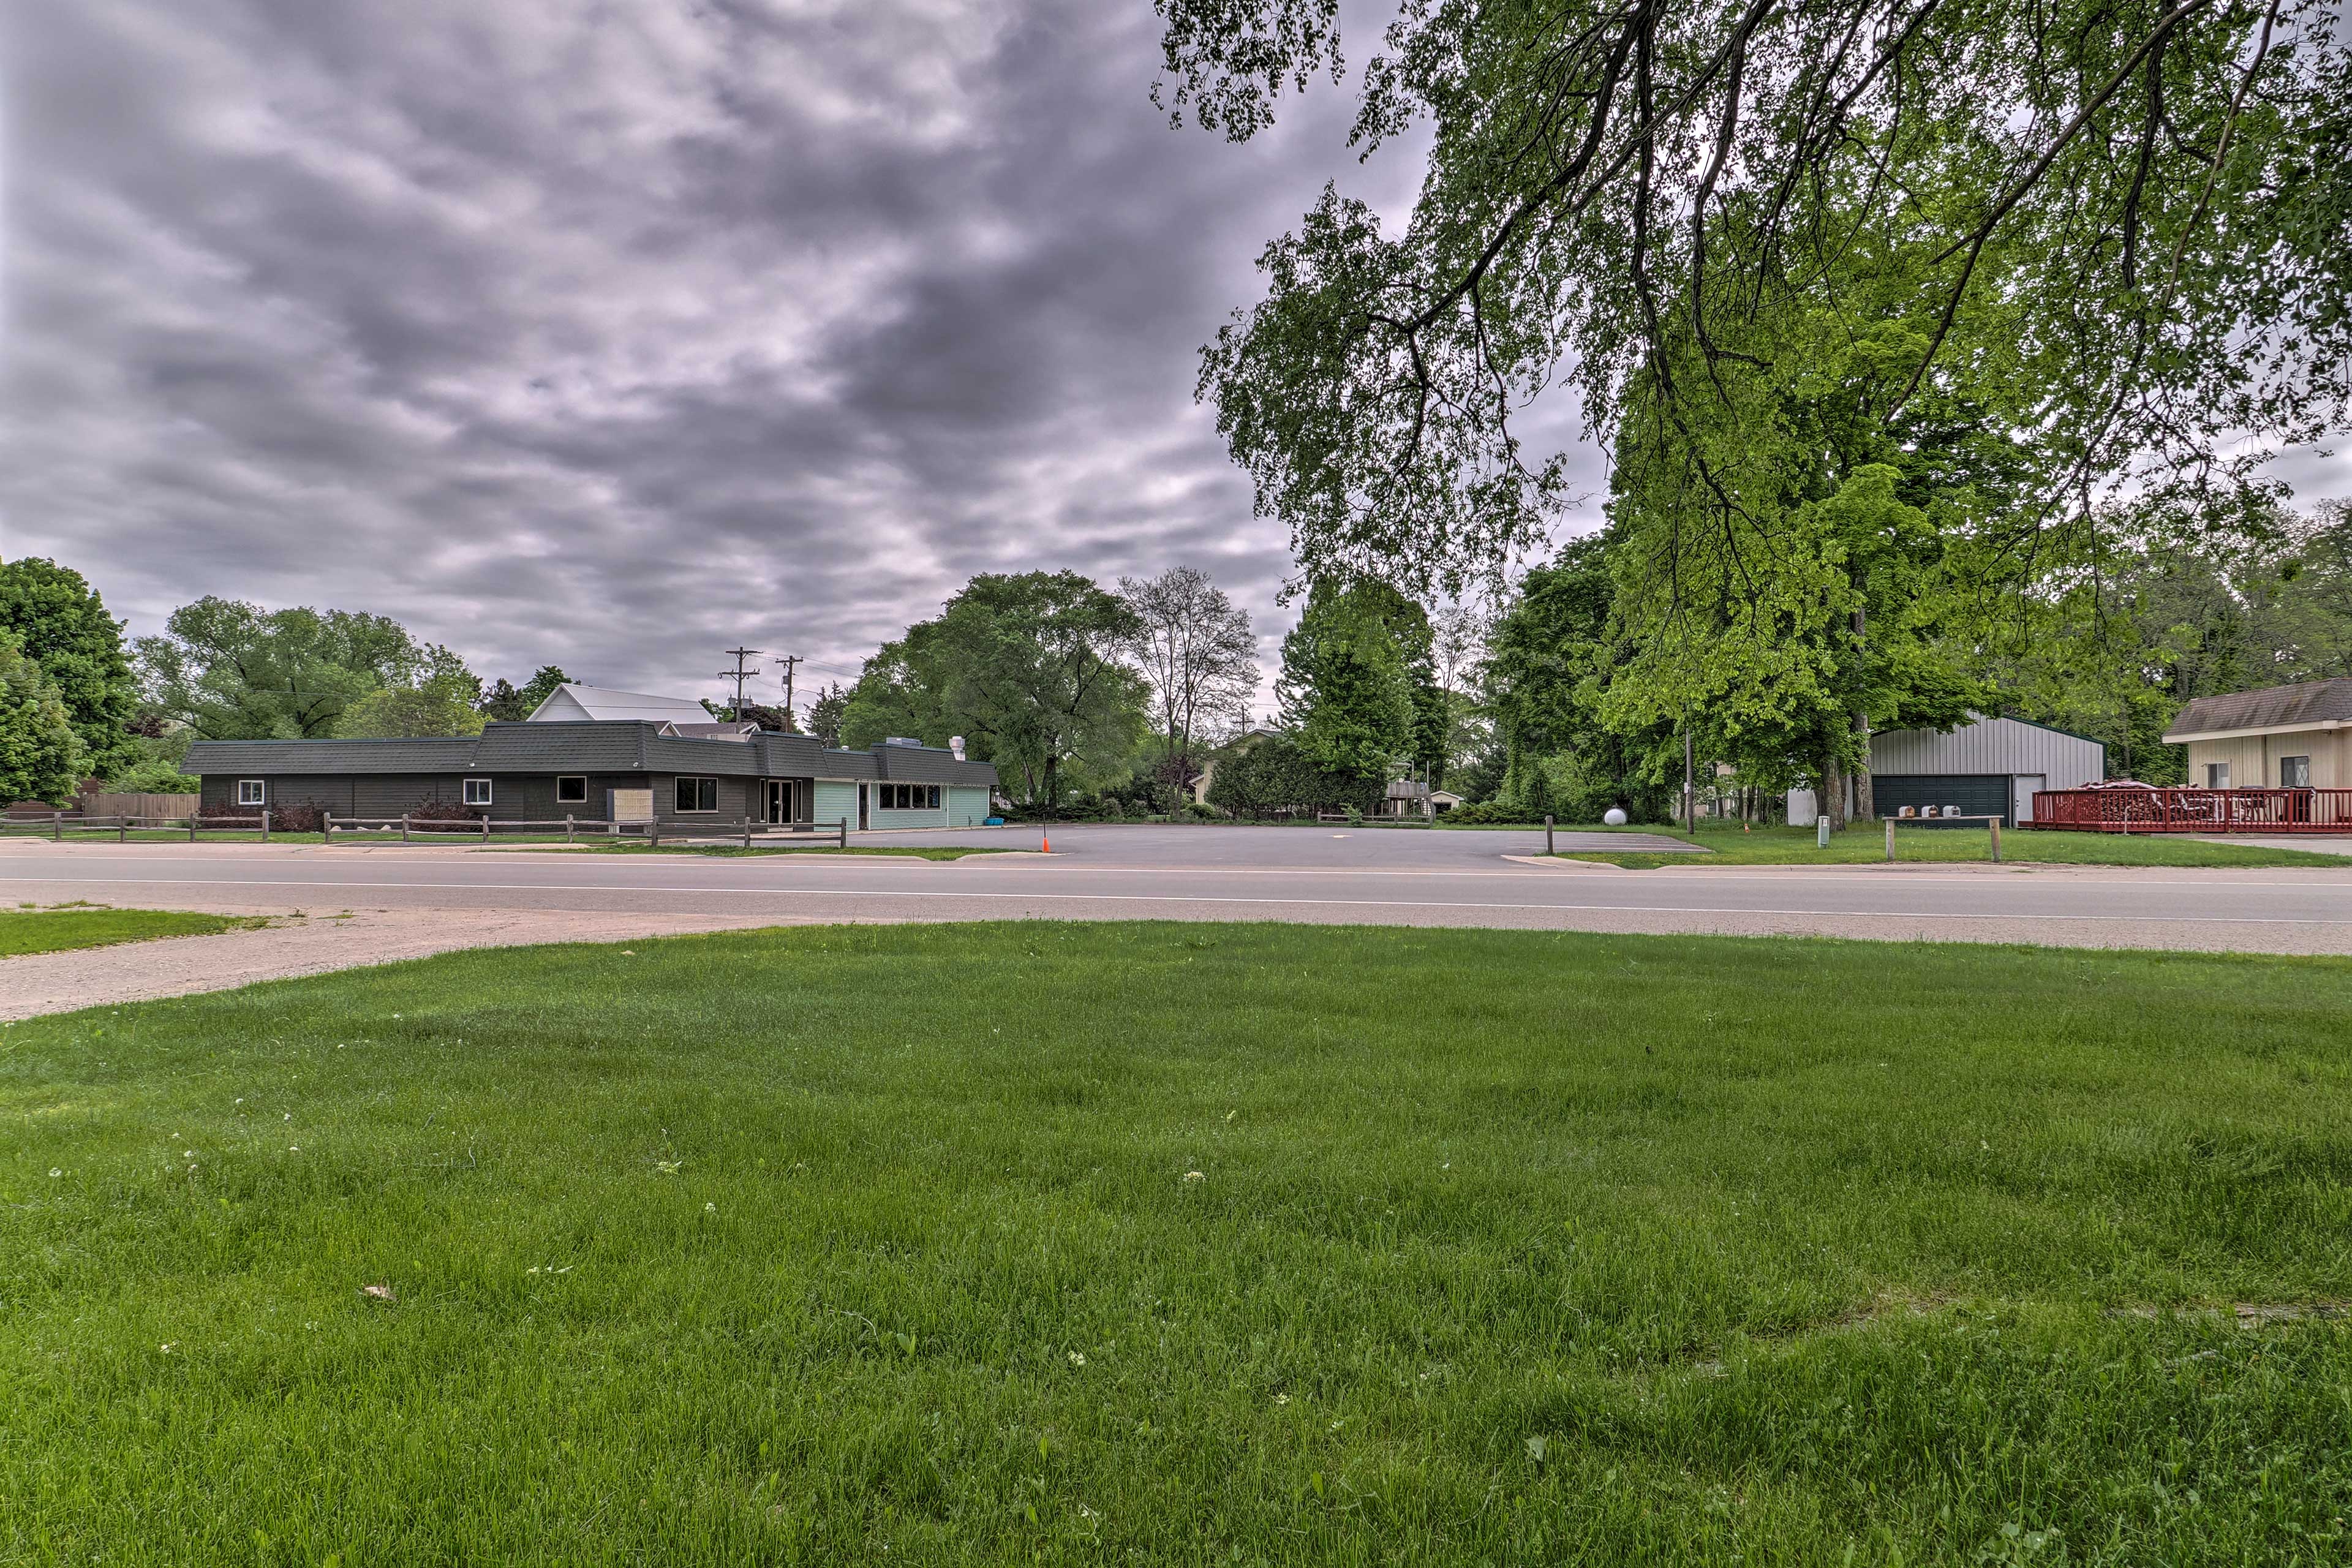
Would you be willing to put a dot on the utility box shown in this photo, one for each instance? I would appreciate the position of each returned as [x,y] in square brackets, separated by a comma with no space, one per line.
[628,806]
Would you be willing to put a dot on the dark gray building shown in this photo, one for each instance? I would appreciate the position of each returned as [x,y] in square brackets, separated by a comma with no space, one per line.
[603,770]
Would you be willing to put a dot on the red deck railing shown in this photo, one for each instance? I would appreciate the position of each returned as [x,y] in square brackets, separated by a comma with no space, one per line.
[2194,810]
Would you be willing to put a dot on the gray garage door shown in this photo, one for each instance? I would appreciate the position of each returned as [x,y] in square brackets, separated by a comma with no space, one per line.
[1977,795]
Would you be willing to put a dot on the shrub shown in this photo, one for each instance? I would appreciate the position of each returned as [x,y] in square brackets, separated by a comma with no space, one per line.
[303,816]
[443,811]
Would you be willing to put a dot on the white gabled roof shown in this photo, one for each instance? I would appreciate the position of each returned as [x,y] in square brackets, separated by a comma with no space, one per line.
[571,701]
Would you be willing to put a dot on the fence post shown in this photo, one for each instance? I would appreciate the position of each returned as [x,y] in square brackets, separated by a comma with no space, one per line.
[747,833]
[191,823]
[1548,849]
[653,831]
[843,827]
[265,827]
[1995,840]
[404,828]
[567,827]
[58,826]
[122,830]
[1890,838]
[486,827]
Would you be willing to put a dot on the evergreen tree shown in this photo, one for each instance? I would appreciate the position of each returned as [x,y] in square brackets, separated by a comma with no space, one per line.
[1345,689]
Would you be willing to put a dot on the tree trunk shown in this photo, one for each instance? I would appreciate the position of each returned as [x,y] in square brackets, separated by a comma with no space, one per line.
[1831,802]
[1865,805]
[1053,797]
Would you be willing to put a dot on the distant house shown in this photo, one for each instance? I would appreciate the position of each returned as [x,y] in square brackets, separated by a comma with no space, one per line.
[1241,743]
[1987,767]
[608,770]
[2281,737]
[571,702]
[1405,797]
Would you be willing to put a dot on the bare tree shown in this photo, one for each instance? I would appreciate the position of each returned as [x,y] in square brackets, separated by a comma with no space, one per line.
[1199,654]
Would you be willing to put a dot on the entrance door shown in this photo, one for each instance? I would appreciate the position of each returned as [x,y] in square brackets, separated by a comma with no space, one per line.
[865,795]
[2021,787]
[778,796]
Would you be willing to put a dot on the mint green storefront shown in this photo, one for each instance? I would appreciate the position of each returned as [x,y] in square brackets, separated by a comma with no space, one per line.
[837,800]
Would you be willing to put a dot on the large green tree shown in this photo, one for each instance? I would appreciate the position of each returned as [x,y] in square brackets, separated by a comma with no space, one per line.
[1031,668]
[2132,217]
[232,670]
[1550,659]
[1347,686]
[41,757]
[441,697]
[58,620]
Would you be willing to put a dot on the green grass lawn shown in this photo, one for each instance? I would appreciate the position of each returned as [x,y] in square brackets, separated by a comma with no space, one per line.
[1865,844]
[1188,1243]
[28,930]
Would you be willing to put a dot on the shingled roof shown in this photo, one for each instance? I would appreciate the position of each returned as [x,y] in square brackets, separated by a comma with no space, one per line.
[587,745]
[2308,705]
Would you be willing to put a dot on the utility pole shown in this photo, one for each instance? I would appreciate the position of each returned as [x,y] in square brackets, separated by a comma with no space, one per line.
[739,675]
[788,661]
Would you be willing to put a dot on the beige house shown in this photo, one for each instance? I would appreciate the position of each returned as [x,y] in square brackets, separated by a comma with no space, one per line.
[2282,737]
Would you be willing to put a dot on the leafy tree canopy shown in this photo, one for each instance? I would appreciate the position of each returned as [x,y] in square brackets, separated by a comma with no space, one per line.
[58,620]
[233,671]
[41,757]
[2132,220]
[1030,668]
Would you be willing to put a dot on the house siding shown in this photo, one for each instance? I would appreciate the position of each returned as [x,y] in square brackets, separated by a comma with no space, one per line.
[385,778]
[735,798]
[836,802]
[2254,759]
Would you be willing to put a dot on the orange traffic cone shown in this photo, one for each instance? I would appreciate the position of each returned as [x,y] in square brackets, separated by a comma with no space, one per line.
[1045,842]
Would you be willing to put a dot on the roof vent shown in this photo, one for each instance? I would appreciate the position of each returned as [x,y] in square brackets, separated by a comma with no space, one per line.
[955,744]
[901,741]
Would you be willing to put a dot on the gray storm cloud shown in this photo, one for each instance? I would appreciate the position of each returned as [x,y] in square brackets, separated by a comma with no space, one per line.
[614,334]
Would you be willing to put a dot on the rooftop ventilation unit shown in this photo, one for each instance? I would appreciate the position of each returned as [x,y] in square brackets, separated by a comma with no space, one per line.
[901,741]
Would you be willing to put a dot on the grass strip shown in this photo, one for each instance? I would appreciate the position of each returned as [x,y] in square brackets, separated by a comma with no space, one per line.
[58,929]
[1940,845]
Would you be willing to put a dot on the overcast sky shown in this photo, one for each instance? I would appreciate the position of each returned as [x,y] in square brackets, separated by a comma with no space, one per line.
[616,332]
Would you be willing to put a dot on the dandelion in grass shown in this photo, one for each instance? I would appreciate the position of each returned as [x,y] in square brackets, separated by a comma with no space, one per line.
[1282,1399]
[1078,1358]
[1194,1176]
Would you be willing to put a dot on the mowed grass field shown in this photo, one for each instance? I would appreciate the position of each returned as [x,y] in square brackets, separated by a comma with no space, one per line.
[1191,1245]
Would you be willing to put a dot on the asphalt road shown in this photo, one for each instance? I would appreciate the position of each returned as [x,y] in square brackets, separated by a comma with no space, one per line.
[1339,876]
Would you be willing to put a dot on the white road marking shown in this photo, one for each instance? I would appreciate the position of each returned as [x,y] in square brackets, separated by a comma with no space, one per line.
[1201,899]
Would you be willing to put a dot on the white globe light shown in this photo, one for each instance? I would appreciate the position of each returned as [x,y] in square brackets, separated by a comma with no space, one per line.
[1615,816]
